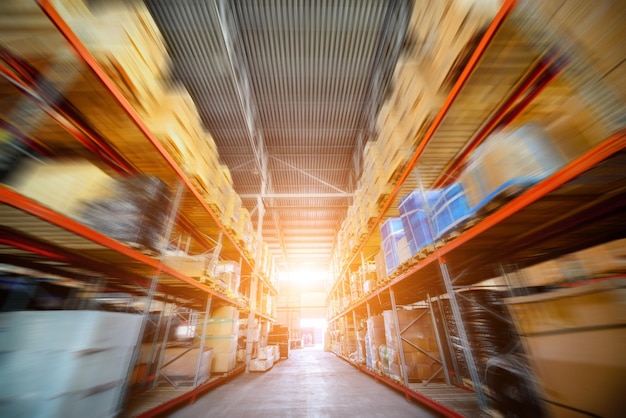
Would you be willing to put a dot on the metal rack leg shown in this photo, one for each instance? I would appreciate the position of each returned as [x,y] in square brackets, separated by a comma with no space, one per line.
[399,337]
[458,320]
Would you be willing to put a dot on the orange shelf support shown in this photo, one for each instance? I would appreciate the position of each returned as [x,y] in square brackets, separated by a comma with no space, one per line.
[16,200]
[93,65]
[604,150]
[504,12]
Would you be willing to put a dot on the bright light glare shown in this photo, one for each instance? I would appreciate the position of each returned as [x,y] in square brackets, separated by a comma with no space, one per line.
[302,275]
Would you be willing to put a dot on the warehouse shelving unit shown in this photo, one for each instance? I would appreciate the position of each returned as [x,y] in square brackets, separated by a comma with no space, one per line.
[535,225]
[40,239]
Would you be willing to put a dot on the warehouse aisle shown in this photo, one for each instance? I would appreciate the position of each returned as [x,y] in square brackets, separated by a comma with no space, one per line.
[311,383]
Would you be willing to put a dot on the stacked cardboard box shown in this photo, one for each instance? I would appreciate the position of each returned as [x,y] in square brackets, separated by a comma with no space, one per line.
[127,44]
[180,364]
[442,35]
[222,335]
[422,362]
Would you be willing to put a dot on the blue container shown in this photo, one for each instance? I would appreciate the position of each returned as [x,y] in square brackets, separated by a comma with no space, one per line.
[450,210]
[392,232]
[413,213]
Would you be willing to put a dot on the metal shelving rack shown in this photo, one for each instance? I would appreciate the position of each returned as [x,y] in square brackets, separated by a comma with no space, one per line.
[40,239]
[542,223]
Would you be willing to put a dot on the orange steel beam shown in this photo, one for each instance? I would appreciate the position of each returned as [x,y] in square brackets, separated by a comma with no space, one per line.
[25,243]
[606,149]
[168,407]
[93,65]
[498,21]
[408,392]
[16,200]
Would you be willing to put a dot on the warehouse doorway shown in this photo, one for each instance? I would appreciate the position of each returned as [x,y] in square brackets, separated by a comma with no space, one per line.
[313,331]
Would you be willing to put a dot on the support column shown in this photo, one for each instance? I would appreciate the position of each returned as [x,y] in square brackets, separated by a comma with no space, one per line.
[254,284]
[396,324]
[207,312]
[153,284]
[438,337]
[460,326]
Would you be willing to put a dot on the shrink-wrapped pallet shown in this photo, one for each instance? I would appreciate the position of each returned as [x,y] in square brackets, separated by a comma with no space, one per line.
[509,161]
[136,213]
[65,363]
[415,214]
[450,210]
[392,232]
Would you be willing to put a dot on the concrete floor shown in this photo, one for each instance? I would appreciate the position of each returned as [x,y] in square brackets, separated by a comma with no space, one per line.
[311,383]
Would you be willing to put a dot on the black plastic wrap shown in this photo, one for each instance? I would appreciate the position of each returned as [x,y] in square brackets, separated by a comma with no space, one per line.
[136,214]
[489,335]
[513,388]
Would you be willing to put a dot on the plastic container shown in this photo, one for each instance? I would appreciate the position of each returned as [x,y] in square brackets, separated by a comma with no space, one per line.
[450,210]
[392,233]
[510,160]
[414,215]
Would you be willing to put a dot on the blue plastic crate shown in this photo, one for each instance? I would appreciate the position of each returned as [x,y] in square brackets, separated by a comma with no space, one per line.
[392,232]
[413,213]
[451,209]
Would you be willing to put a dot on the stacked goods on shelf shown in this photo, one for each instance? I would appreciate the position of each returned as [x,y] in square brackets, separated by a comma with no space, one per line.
[265,359]
[441,35]
[372,177]
[395,244]
[232,210]
[450,209]
[176,124]
[267,304]
[194,266]
[359,356]
[375,338]
[365,211]
[222,331]
[509,161]
[127,44]
[594,51]
[136,213]
[368,277]
[347,337]
[180,365]
[65,363]
[62,185]
[244,231]
[601,260]
[279,336]
[227,274]
[381,268]
[574,338]
[414,213]
[488,326]
[356,286]
[398,148]
[418,344]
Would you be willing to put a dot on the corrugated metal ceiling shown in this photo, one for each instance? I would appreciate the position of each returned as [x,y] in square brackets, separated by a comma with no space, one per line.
[293,86]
